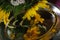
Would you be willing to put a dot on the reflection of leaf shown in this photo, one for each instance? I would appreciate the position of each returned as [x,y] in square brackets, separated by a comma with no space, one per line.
[11,26]
[42,27]
[19,35]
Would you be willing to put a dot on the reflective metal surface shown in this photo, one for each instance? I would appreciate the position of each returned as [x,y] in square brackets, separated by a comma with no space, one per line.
[57,11]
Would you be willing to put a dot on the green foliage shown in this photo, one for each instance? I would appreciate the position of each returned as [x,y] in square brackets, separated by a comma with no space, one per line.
[6,5]
[18,9]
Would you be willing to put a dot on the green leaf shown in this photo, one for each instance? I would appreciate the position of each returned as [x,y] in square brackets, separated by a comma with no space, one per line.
[5,5]
[30,3]
[9,8]
[1,1]
[17,10]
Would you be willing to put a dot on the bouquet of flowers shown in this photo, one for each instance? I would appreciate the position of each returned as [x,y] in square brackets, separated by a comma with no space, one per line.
[24,19]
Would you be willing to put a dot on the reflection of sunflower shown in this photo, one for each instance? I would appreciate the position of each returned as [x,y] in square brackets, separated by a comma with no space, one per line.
[4,16]
[32,34]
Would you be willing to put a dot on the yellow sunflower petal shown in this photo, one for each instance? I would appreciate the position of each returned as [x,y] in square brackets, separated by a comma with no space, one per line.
[6,16]
[1,15]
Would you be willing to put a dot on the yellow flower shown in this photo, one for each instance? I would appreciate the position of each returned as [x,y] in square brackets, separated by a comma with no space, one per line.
[32,34]
[38,18]
[4,16]
[32,12]
[1,15]
[41,4]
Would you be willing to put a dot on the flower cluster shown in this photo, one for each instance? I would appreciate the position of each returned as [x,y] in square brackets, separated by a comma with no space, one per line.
[4,16]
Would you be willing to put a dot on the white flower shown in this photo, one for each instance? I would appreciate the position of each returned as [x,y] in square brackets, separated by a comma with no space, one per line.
[21,1]
[17,2]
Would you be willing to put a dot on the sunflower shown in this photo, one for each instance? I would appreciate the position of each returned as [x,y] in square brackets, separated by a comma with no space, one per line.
[4,16]
[32,12]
